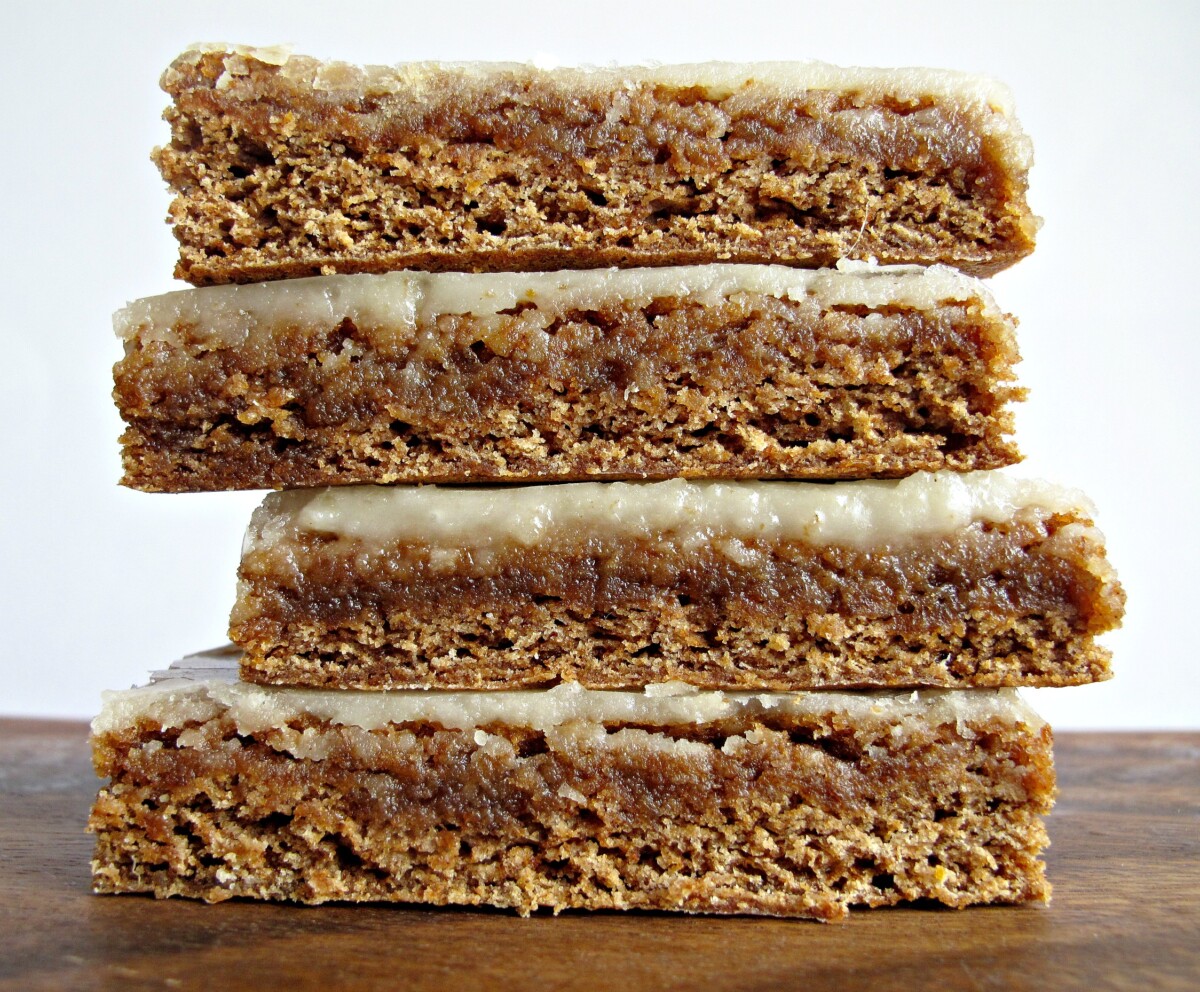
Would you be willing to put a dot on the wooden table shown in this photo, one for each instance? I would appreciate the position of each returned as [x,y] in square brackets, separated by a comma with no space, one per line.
[1126,913]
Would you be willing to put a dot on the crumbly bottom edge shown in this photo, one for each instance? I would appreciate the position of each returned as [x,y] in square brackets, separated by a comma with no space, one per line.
[629,648]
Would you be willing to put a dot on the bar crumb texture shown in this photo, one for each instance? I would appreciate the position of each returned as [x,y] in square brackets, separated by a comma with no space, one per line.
[949,580]
[726,371]
[708,803]
[283,166]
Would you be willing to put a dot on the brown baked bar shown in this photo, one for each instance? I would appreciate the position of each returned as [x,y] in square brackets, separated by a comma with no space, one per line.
[705,371]
[283,166]
[942,580]
[780,804]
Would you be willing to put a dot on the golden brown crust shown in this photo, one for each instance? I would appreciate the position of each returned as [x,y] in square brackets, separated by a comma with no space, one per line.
[275,178]
[632,647]
[993,605]
[797,816]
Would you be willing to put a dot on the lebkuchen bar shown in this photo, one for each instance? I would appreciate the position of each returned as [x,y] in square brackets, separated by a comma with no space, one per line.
[283,166]
[704,802]
[708,371]
[955,580]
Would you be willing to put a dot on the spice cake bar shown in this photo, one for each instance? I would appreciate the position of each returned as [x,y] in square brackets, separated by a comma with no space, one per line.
[771,803]
[721,370]
[284,166]
[949,580]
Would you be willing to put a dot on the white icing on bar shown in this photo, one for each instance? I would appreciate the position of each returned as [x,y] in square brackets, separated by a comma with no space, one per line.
[267,54]
[718,80]
[854,514]
[205,686]
[392,305]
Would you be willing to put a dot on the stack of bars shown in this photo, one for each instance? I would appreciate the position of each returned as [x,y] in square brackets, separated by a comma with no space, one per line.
[715,603]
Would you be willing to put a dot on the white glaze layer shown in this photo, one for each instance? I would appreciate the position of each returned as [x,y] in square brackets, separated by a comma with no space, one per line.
[205,686]
[718,80]
[861,514]
[391,306]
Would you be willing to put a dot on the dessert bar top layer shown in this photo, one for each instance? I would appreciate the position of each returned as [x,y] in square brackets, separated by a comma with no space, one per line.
[286,167]
[202,686]
[392,305]
[716,80]
[855,514]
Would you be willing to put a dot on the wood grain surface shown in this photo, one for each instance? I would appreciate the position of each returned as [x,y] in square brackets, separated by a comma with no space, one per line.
[1125,863]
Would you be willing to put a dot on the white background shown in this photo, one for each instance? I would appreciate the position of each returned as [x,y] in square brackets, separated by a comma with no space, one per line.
[100,584]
